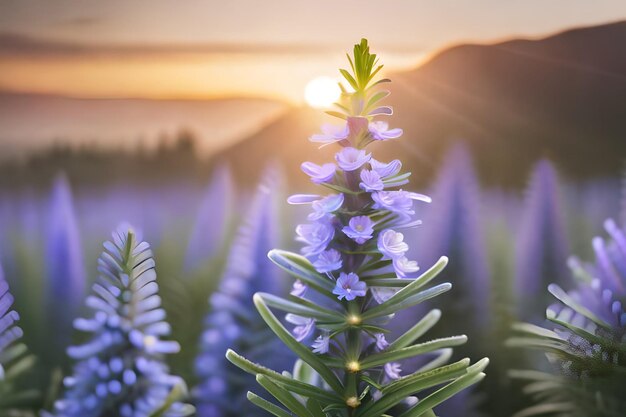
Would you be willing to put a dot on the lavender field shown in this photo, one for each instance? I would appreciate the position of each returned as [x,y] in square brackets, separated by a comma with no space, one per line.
[312,209]
[210,245]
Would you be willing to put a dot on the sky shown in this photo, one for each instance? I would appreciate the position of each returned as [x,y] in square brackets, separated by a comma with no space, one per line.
[271,48]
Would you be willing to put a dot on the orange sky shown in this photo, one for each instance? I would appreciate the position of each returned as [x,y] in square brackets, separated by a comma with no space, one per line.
[205,49]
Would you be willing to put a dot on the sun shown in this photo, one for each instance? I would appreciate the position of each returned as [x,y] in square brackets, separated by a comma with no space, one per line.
[321,92]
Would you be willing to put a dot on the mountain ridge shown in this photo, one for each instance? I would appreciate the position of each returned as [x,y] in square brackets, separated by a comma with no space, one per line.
[513,102]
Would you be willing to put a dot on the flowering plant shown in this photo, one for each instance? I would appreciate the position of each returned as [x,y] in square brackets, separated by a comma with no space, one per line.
[121,370]
[587,344]
[353,278]
[14,357]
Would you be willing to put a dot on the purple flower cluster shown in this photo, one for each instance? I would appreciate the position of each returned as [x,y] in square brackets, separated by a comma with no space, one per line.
[355,233]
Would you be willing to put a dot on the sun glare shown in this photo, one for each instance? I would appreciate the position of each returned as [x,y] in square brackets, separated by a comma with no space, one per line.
[321,92]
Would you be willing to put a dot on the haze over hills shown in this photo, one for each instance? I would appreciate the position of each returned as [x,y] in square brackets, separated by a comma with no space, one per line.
[514,102]
[30,122]
[560,97]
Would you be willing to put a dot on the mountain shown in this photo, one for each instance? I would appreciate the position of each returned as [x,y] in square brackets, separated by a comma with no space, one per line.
[560,97]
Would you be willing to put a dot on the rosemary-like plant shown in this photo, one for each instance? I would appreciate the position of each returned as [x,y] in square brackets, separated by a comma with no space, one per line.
[353,277]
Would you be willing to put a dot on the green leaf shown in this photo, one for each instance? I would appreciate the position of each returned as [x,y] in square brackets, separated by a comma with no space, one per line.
[571,303]
[384,357]
[350,79]
[294,385]
[473,376]
[301,268]
[389,308]
[415,332]
[398,390]
[267,406]
[299,349]
[301,308]
[283,396]
[336,114]
[178,392]
[391,304]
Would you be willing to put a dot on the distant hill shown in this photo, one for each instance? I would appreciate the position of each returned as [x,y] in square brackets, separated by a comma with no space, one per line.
[563,97]
[32,122]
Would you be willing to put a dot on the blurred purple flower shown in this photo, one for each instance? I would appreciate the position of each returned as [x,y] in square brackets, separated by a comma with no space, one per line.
[391,244]
[542,248]
[453,227]
[381,341]
[380,131]
[304,326]
[351,159]
[232,320]
[404,267]
[319,173]
[65,269]
[321,345]
[386,169]
[328,261]
[316,236]
[371,181]
[326,206]
[212,221]
[392,370]
[330,134]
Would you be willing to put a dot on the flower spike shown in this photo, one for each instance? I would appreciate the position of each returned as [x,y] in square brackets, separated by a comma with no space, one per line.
[353,276]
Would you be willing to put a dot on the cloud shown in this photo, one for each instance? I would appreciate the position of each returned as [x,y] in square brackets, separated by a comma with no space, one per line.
[16,45]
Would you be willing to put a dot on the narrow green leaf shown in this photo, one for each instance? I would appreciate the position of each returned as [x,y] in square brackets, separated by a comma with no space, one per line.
[283,396]
[384,357]
[473,376]
[299,349]
[301,268]
[349,78]
[294,385]
[301,308]
[336,114]
[386,308]
[267,406]
[409,290]
[398,390]
[417,331]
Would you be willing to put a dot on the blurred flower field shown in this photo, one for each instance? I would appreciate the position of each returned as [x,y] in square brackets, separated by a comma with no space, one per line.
[505,248]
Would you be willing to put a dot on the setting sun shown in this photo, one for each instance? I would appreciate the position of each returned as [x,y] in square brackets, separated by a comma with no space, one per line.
[321,92]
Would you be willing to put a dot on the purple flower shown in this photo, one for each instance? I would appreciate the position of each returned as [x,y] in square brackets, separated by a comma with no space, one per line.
[403,266]
[349,287]
[542,244]
[381,341]
[330,134]
[322,343]
[298,289]
[392,370]
[304,326]
[371,181]
[319,173]
[212,219]
[328,261]
[380,131]
[316,235]
[391,244]
[400,202]
[303,199]
[325,206]
[350,159]
[360,229]
[386,170]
